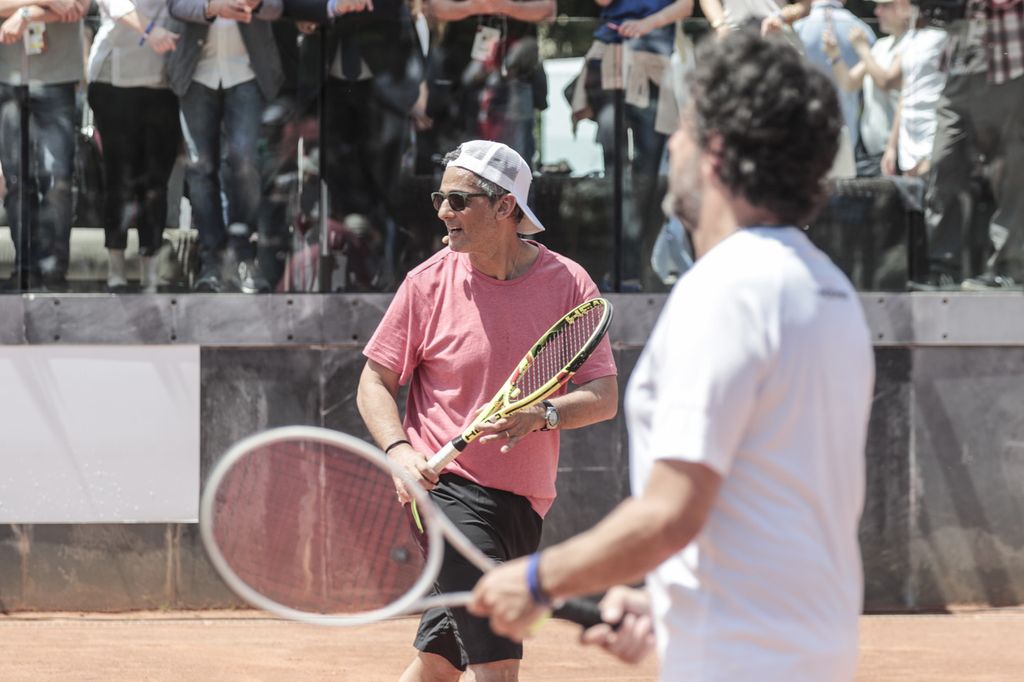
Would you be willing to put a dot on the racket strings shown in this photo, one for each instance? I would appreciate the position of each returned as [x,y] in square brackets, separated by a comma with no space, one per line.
[316,529]
[559,350]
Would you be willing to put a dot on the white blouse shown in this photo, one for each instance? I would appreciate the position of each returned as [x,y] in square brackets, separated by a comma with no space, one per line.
[116,56]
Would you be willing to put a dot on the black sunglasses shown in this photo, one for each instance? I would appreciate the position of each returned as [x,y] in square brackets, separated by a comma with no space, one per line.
[456,200]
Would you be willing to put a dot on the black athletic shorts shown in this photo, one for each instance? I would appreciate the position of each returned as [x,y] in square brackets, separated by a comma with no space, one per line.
[504,526]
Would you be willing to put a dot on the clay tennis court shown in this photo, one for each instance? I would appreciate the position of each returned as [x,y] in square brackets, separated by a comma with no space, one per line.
[241,645]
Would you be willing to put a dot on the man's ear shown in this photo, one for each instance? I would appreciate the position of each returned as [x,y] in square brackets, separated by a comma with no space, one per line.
[711,159]
[506,206]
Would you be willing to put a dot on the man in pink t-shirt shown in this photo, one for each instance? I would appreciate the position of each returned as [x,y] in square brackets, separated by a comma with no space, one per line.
[455,330]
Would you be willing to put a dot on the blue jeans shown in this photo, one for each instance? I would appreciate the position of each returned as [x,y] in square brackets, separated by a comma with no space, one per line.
[642,215]
[209,117]
[648,143]
[42,247]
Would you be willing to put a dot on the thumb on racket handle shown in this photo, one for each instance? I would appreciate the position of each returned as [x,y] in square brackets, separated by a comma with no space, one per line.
[582,612]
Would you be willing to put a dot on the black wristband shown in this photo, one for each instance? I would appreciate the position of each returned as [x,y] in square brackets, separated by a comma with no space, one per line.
[395,445]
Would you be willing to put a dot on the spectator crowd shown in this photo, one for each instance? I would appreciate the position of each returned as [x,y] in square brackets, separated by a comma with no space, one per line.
[224,91]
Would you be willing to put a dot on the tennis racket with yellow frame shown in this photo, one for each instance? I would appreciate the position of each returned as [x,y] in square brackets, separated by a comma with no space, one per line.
[546,367]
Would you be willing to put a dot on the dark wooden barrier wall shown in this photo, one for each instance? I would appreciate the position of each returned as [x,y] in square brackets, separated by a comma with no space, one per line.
[945,461]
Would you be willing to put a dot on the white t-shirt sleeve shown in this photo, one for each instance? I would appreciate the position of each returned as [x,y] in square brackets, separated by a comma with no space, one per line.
[709,356]
[116,9]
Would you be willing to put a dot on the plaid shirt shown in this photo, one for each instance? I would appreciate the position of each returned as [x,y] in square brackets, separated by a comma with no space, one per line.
[1004,36]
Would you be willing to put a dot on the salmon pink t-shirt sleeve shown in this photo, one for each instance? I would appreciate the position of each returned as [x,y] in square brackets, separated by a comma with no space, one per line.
[454,335]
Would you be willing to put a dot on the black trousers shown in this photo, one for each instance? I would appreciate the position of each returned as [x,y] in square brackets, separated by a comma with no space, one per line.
[141,136]
[364,149]
[504,526]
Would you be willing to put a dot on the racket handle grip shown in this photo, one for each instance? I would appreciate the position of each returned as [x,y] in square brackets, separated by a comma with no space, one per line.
[582,612]
[445,455]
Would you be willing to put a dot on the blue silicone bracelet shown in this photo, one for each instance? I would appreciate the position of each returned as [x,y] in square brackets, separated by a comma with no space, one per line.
[145,34]
[533,580]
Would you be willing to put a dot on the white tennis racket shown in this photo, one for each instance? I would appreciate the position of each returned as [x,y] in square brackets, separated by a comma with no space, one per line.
[302,522]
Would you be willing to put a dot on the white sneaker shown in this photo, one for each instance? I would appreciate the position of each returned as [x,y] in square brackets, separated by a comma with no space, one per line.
[116,278]
[150,274]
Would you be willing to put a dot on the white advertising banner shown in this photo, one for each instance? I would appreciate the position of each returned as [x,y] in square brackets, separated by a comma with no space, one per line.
[99,434]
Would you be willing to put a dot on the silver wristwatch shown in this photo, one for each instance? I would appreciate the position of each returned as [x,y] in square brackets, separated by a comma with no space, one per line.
[550,416]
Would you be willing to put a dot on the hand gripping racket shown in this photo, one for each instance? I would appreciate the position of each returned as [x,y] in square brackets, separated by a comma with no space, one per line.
[546,367]
[302,522]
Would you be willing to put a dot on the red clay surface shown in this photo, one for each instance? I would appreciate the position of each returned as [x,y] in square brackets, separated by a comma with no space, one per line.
[184,646]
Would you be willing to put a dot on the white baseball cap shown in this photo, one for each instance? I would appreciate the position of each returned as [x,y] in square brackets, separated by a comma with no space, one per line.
[503,166]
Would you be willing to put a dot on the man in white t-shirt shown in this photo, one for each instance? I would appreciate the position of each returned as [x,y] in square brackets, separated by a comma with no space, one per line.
[747,411]
[913,130]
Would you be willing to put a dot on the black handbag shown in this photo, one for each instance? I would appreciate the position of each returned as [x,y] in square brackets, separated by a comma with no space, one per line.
[88,182]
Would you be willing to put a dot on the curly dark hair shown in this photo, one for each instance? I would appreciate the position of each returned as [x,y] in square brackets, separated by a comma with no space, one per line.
[777,118]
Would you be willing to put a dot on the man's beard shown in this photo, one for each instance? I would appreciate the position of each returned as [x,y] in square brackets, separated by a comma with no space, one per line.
[669,205]
[683,201]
